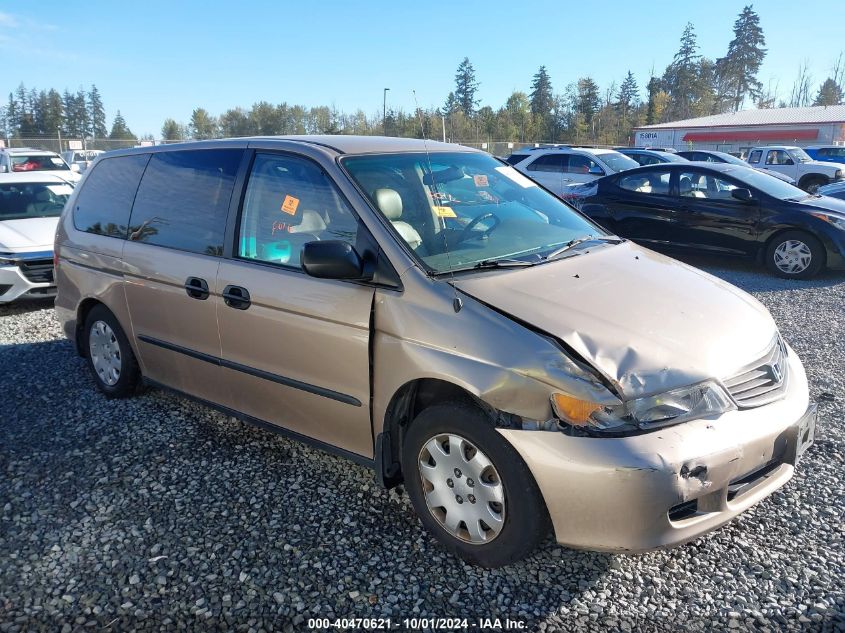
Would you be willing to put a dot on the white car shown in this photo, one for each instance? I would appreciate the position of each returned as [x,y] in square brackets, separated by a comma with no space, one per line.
[14,160]
[558,168]
[82,158]
[794,162]
[30,205]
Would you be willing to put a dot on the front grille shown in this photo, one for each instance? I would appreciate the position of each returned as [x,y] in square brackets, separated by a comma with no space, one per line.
[38,271]
[763,381]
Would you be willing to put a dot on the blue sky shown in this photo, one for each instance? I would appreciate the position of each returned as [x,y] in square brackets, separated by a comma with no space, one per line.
[155,59]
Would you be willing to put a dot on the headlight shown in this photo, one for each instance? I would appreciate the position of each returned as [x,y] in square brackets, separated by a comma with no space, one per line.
[838,175]
[642,414]
[831,219]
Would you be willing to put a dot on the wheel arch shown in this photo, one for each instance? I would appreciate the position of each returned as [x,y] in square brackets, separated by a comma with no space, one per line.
[812,177]
[406,403]
[822,239]
[82,312]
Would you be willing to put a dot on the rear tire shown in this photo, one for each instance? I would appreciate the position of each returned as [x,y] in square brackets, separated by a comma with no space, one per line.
[110,357]
[795,255]
[488,494]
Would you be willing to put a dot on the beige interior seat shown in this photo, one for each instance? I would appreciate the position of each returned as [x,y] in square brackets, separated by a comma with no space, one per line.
[389,203]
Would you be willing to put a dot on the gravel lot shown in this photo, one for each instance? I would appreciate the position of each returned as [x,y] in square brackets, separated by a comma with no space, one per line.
[158,514]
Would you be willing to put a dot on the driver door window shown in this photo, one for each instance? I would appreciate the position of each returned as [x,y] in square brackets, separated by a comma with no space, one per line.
[554,163]
[289,201]
[778,157]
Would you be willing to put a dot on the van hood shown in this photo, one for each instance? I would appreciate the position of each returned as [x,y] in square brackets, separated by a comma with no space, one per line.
[28,234]
[648,323]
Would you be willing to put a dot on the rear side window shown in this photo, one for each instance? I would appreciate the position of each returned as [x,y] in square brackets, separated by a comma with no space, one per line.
[105,201]
[513,159]
[754,157]
[555,163]
[652,182]
[183,200]
[578,164]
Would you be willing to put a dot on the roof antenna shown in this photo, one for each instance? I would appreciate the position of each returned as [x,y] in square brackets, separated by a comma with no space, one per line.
[457,304]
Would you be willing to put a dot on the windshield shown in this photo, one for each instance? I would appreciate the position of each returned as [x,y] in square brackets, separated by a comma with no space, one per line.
[32,200]
[770,185]
[457,209]
[729,158]
[36,162]
[800,155]
[617,161]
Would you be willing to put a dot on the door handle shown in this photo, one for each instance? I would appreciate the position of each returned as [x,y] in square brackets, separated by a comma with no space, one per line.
[197,288]
[236,297]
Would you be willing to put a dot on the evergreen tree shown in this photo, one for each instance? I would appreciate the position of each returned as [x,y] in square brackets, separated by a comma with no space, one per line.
[96,114]
[172,131]
[736,72]
[119,130]
[830,93]
[12,116]
[203,125]
[629,95]
[80,113]
[466,87]
[588,99]
[542,98]
[682,76]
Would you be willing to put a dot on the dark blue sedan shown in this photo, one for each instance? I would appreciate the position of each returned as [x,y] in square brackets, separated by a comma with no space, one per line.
[719,208]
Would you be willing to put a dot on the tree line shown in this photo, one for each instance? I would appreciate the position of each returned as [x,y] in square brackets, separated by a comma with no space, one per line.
[35,114]
[690,86]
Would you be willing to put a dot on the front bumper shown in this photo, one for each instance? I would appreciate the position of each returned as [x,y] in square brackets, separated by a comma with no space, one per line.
[666,487]
[14,284]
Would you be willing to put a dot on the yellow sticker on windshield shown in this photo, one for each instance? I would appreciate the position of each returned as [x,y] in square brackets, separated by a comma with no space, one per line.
[445,212]
[290,204]
[480,180]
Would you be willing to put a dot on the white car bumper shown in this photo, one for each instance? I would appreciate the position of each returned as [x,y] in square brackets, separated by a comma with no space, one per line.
[29,275]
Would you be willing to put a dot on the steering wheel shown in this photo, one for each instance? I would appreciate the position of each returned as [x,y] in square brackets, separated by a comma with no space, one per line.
[467,232]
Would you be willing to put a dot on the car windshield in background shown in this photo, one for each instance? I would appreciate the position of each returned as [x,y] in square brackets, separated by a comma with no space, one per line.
[770,185]
[800,155]
[617,161]
[729,158]
[19,201]
[461,210]
[22,162]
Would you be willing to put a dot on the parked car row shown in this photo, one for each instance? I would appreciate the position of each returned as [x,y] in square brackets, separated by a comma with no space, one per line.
[28,159]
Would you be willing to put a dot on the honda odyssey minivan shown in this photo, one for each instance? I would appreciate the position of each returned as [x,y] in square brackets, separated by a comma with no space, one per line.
[426,310]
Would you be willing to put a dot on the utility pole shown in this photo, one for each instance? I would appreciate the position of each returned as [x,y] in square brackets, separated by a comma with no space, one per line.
[384,112]
[59,132]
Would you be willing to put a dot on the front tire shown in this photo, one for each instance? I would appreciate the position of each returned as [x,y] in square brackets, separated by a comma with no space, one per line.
[795,255]
[109,354]
[811,185]
[470,488]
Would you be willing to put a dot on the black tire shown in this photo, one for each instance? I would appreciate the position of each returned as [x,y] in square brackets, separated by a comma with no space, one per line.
[811,184]
[526,520]
[128,382]
[817,255]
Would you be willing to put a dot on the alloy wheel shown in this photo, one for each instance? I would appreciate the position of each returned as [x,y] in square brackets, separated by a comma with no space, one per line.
[462,489]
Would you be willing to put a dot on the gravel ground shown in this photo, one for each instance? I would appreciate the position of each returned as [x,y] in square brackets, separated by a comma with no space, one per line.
[158,514]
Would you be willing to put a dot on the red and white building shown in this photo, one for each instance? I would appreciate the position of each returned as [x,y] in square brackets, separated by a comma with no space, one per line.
[740,131]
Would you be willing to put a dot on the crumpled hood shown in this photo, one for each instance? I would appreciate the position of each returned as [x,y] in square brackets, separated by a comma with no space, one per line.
[647,322]
[28,234]
[826,204]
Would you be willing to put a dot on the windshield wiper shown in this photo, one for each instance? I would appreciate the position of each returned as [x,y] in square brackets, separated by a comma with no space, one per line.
[501,263]
[581,240]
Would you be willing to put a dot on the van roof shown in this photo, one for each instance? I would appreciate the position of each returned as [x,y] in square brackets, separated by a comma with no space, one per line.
[340,143]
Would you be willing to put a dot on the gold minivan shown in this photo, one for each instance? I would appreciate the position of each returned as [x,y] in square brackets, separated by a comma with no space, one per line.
[426,310]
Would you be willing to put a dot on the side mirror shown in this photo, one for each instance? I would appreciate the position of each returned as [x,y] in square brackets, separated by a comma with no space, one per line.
[332,259]
[595,170]
[74,167]
[789,161]
[743,195]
